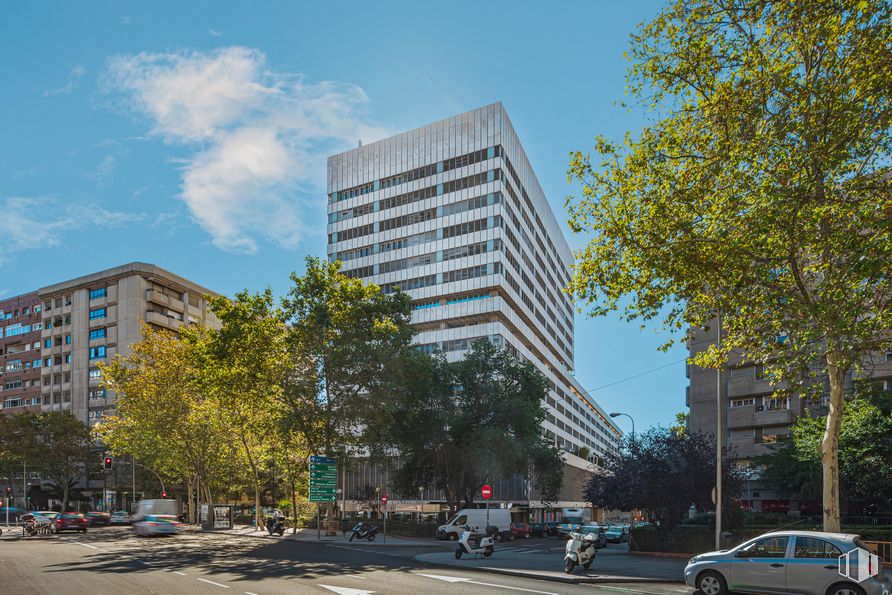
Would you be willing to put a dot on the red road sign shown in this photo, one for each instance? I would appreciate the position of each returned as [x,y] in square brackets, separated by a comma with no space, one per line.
[384,499]
[486,491]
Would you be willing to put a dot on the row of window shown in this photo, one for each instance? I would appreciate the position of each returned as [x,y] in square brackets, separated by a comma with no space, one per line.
[457,344]
[424,259]
[492,268]
[14,313]
[449,302]
[418,173]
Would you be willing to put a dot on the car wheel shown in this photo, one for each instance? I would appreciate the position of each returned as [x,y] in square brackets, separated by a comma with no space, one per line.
[712,583]
[845,589]
[453,536]
[526,535]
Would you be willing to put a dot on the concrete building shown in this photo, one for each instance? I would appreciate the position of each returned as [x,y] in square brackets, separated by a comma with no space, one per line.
[452,213]
[753,419]
[92,318]
[20,354]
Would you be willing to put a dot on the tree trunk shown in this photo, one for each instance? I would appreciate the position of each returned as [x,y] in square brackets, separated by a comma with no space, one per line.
[189,501]
[258,516]
[294,507]
[65,493]
[830,444]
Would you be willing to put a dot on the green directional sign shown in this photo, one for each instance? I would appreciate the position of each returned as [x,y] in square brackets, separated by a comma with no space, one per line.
[323,467]
[323,479]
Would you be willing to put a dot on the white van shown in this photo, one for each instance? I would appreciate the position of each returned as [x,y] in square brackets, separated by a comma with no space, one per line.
[155,517]
[476,519]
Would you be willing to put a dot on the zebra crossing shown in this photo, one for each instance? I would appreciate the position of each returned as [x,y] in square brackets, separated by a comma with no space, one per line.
[521,550]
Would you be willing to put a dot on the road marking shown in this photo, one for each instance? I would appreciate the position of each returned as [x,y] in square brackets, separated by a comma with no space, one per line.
[458,579]
[346,590]
[250,593]
[180,573]
[204,580]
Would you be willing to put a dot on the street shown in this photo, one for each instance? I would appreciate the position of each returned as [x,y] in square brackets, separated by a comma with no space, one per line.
[112,560]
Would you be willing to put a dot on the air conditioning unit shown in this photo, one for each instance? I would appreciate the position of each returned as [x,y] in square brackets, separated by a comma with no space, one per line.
[760,407]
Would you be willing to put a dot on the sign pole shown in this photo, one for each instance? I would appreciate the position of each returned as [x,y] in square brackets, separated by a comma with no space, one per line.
[385,526]
[318,527]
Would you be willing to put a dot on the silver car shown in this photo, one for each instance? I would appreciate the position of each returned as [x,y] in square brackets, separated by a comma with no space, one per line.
[785,563]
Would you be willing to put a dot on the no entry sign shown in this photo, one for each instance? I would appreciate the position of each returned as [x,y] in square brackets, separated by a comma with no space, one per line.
[486,492]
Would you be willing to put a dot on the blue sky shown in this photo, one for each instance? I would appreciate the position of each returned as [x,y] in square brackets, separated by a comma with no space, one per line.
[194,134]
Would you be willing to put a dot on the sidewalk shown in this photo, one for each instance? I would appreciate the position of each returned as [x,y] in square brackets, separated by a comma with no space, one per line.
[612,565]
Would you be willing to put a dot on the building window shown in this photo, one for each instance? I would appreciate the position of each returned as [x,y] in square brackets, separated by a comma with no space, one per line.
[743,402]
[68,359]
[97,393]
[95,373]
[47,343]
[48,362]
[68,339]
[95,294]
[97,352]
[98,333]
[97,313]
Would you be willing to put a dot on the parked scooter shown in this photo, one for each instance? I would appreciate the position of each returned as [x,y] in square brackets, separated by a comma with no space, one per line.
[580,551]
[363,531]
[475,544]
[275,526]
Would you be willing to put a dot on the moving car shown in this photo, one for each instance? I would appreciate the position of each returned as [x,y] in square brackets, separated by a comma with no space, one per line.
[156,517]
[119,517]
[45,516]
[798,562]
[617,534]
[70,521]
[540,530]
[521,530]
[95,518]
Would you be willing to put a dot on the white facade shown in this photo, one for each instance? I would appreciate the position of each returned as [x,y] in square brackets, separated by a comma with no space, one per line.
[453,214]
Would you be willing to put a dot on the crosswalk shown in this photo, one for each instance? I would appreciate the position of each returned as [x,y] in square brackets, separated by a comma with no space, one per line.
[520,550]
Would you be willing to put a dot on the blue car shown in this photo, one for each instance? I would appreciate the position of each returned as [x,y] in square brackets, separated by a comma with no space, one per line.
[790,563]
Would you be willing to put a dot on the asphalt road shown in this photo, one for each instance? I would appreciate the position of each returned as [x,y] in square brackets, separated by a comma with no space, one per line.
[112,560]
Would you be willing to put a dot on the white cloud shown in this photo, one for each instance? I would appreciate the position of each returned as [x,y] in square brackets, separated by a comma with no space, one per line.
[260,136]
[214,33]
[104,170]
[74,77]
[34,223]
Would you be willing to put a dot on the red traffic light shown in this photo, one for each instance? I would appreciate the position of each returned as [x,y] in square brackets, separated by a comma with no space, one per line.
[164,494]
[108,463]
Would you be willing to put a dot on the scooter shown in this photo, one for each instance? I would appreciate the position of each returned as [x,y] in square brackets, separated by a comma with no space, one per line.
[363,531]
[580,551]
[481,544]
[275,526]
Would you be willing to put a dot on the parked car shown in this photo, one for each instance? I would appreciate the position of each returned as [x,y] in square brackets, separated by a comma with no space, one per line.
[70,521]
[800,562]
[617,534]
[476,518]
[598,530]
[521,530]
[564,529]
[45,516]
[119,517]
[96,518]
[540,530]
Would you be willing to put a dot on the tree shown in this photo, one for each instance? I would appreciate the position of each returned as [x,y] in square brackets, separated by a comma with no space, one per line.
[457,425]
[64,445]
[242,369]
[758,190]
[343,341]
[865,456]
[165,417]
[661,471]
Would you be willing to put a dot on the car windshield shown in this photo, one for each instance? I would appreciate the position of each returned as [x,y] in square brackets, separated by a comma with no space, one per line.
[71,516]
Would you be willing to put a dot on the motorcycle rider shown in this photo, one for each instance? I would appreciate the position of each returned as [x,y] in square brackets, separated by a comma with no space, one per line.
[274,520]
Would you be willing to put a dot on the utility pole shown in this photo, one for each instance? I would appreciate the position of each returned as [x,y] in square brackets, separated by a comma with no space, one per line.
[133,477]
[25,485]
[719,440]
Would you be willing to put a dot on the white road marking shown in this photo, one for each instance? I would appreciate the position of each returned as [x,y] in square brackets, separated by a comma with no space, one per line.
[250,593]
[204,580]
[180,573]
[346,590]
[458,579]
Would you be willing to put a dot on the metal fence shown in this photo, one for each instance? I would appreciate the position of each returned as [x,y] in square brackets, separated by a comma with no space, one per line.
[883,549]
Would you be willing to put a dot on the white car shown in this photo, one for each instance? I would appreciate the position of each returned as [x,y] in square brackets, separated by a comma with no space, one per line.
[157,524]
[120,518]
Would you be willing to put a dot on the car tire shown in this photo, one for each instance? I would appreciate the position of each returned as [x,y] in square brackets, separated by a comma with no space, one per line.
[453,536]
[712,583]
[845,589]
[526,535]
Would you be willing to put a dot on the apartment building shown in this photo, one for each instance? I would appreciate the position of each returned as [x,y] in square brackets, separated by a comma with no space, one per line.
[453,214]
[20,353]
[92,318]
[753,420]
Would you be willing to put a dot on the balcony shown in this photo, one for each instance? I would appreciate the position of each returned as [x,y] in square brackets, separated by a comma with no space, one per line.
[159,319]
[156,297]
[741,417]
[745,448]
[773,418]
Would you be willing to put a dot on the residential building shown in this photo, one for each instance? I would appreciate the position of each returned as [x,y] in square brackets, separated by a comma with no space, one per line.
[20,353]
[92,318]
[753,419]
[452,213]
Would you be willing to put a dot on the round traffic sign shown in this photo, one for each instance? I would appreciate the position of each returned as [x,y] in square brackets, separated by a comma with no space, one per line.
[486,491]
[384,499]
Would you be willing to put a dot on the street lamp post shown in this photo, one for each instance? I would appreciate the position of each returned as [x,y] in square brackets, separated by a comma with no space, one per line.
[616,414]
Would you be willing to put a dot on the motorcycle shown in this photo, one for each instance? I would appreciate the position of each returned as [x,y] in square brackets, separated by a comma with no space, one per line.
[580,551]
[275,526]
[481,544]
[363,531]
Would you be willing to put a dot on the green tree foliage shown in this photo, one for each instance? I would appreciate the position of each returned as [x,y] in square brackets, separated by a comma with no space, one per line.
[759,189]
[343,341]
[456,425]
[865,457]
[663,472]
[55,444]
[166,417]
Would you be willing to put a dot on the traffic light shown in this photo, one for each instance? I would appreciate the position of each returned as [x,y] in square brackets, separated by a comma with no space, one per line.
[1,503]
[8,492]
[107,463]
[164,494]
